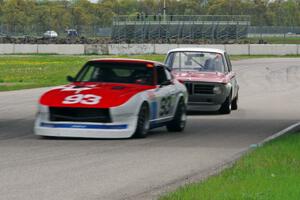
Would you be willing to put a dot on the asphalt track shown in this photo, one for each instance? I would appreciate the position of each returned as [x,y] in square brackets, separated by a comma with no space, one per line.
[33,168]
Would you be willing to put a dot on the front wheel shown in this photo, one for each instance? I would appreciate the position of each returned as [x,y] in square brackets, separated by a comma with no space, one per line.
[226,106]
[178,122]
[234,103]
[143,124]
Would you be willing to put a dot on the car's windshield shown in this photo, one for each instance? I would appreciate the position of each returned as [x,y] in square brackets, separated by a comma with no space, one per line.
[196,61]
[116,73]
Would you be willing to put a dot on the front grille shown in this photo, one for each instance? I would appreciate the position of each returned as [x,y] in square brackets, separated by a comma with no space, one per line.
[80,114]
[203,89]
[196,88]
[189,87]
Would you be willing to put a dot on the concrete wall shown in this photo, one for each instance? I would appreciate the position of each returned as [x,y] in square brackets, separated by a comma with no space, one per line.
[6,48]
[273,49]
[25,48]
[115,49]
[61,48]
[42,48]
[237,49]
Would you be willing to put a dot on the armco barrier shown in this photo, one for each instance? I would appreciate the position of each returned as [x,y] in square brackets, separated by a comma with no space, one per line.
[115,49]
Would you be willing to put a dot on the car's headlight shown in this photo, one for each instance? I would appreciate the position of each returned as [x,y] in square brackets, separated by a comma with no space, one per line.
[43,109]
[217,90]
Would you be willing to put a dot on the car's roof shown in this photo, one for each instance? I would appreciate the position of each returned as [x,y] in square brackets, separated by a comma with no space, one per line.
[200,49]
[126,60]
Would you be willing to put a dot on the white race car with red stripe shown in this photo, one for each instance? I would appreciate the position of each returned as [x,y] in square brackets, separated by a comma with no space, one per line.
[114,98]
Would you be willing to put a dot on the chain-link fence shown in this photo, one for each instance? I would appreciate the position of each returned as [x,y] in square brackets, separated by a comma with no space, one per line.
[179,28]
[160,29]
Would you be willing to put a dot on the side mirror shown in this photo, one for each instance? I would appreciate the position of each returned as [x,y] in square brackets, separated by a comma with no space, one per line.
[70,79]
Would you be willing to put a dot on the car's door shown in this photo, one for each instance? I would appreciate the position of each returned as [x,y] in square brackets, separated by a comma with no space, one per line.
[165,93]
[231,75]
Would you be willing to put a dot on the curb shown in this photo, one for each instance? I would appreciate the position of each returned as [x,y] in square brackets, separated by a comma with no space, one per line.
[294,127]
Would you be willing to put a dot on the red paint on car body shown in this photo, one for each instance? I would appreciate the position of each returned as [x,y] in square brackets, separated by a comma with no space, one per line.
[112,94]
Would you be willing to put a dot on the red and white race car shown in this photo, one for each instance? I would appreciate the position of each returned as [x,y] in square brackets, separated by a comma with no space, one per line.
[114,98]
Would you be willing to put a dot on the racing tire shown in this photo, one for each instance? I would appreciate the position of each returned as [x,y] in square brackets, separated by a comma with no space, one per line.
[234,103]
[226,106]
[143,123]
[179,121]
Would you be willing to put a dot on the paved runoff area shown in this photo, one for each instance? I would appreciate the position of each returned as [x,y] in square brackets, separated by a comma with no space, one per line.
[35,168]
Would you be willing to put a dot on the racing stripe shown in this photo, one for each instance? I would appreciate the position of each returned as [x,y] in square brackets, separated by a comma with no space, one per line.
[84,126]
[153,110]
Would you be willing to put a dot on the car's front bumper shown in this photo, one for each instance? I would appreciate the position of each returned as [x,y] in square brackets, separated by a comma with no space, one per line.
[203,107]
[201,101]
[85,130]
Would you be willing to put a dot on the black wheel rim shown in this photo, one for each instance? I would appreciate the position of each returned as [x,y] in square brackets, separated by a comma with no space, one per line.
[143,120]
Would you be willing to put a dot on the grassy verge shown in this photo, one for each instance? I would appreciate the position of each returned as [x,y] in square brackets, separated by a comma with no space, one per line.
[270,172]
[241,57]
[31,71]
[275,40]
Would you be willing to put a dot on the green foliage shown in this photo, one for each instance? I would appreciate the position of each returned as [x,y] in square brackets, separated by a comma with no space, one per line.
[271,172]
[42,15]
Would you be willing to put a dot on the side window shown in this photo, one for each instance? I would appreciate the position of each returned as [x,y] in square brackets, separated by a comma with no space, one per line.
[170,59]
[161,75]
[228,62]
[87,74]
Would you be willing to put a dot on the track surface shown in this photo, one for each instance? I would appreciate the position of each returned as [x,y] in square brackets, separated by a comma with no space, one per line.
[34,168]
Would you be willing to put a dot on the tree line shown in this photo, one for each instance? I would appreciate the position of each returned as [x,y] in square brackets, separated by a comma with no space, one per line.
[41,15]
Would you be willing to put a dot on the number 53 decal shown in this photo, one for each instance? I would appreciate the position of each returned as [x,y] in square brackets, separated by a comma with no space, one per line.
[88,99]
[165,106]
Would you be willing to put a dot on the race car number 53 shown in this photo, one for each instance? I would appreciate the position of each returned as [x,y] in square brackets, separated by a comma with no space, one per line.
[88,99]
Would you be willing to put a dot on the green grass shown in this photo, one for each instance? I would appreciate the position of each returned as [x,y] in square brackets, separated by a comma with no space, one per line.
[31,71]
[270,172]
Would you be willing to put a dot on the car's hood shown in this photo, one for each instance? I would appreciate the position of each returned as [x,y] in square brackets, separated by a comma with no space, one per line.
[200,76]
[91,95]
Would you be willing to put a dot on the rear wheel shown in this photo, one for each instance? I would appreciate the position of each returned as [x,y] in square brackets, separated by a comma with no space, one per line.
[178,122]
[143,124]
[226,106]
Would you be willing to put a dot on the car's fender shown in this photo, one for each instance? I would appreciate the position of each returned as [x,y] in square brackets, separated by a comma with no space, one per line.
[132,106]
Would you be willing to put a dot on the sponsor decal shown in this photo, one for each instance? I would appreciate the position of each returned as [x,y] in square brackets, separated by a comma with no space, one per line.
[165,106]
[76,88]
